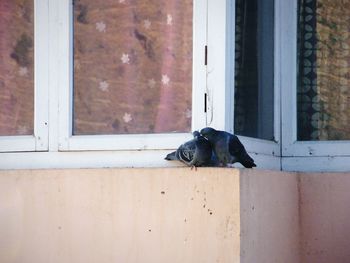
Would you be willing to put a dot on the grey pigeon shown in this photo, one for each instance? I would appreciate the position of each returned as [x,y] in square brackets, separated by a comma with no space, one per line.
[194,153]
[227,147]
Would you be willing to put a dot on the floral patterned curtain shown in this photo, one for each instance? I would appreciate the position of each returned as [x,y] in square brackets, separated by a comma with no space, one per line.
[16,67]
[132,66]
[323,70]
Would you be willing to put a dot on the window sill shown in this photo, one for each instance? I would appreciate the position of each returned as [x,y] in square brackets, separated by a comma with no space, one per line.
[155,158]
[107,159]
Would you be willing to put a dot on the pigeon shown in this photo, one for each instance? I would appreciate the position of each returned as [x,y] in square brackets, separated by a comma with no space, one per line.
[227,147]
[194,153]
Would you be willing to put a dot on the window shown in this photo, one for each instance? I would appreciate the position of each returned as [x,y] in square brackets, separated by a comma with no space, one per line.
[138,69]
[121,83]
[323,71]
[233,106]
[254,69]
[17,68]
[23,126]
[132,67]
[316,85]
[256,97]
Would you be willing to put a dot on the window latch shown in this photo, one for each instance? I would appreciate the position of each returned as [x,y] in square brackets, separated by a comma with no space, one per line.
[206,55]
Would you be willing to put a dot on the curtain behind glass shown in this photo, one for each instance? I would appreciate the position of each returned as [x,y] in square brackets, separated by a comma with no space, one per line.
[132,66]
[323,70]
[254,69]
[16,67]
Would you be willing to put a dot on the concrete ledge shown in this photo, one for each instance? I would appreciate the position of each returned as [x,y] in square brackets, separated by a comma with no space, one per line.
[173,215]
[120,215]
[269,217]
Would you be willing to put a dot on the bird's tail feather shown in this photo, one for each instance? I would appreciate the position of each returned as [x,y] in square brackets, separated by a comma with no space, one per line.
[171,156]
[247,161]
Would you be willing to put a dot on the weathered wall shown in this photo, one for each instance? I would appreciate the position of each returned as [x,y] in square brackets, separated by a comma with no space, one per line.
[119,215]
[173,215]
[269,217]
[325,213]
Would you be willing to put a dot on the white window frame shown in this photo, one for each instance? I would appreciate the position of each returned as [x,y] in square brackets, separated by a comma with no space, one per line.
[39,140]
[214,23]
[221,43]
[64,54]
[302,155]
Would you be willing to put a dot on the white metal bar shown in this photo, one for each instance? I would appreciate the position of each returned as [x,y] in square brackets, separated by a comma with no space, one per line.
[128,142]
[318,148]
[230,65]
[199,68]
[103,159]
[54,68]
[316,164]
[41,73]
[277,73]
[63,68]
[288,69]
[17,143]
[217,56]
[106,159]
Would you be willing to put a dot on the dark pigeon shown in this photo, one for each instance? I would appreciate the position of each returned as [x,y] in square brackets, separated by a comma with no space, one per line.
[194,153]
[227,147]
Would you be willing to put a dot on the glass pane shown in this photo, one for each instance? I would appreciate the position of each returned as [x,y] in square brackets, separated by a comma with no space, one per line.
[254,69]
[16,67]
[323,70]
[132,66]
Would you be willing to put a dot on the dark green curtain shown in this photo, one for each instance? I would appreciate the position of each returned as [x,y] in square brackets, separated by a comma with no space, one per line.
[254,69]
[307,69]
[246,69]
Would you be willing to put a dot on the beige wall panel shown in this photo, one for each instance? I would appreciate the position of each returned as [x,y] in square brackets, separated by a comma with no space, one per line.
[325,213]
[119,215]
[269,217]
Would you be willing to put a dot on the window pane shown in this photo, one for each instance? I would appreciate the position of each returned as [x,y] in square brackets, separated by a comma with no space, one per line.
[16,67]
[323,70]
[132,66]
[254,69]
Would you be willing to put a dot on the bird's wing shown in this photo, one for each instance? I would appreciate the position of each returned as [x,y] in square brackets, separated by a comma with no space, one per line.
[186,152]
[237,150]
[235,146]
[203,152]
[221,148]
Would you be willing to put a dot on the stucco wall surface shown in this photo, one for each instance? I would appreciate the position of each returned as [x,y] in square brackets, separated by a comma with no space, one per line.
[269,217]
[174,215]
[325,213]
[119,215]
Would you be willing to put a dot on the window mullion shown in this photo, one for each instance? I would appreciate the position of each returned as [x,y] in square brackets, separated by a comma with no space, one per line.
[199,67]
[219,68]
[41,74]
[63,68]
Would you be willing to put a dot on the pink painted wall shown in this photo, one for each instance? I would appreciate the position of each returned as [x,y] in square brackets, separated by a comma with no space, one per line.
[174,215]
[119,215]
[269,217]
[325,217]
